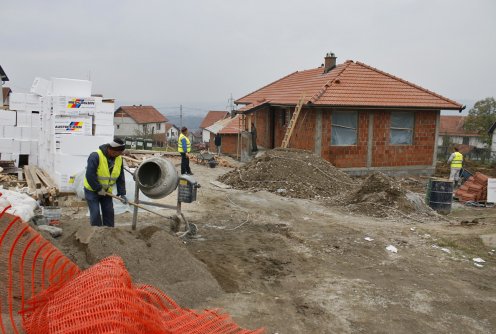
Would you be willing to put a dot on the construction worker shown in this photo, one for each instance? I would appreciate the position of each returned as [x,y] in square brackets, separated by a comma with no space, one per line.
[456,162]
[184,147]
[104,169]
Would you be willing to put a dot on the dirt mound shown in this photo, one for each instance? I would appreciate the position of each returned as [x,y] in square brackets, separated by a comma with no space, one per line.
[291,173]
[152,256]
[382,196]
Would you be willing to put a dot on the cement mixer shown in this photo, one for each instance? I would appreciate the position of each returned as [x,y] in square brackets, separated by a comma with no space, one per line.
[157,178]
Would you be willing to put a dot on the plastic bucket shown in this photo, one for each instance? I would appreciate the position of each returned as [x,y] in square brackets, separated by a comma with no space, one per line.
[440,195]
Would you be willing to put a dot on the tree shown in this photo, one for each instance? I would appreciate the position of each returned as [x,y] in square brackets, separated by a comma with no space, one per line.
[481,117]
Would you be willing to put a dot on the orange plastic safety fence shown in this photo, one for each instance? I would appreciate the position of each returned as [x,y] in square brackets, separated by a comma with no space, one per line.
[102,299]
[42,291]
[28,264]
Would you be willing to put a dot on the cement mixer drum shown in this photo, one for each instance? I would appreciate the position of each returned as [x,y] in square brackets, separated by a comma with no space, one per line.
[156,177]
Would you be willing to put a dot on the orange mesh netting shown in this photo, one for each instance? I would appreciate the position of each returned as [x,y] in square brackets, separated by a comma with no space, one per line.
[42,291]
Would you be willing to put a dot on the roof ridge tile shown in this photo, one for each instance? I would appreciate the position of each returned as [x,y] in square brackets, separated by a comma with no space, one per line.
[329,83]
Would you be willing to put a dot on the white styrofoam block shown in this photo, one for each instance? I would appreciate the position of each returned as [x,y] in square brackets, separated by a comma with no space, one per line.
[6,145]
[33,102]
[17,101]
[16,146]
[69,164]
[73,106]
[26,133]
[2,133]
[104,130]
[74,87]
[11,131]
[35,133]
[35,120]
[6,156]
[46,105]
[7,117]
[23,118]
[24,146]
[34,147]
[491,190]
[80,125]
[41,86]
[81,146]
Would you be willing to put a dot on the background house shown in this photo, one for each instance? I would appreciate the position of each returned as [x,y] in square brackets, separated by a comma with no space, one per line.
[492,131]
[140,121]
[230,130]
[172,132]
[355,116]
[210,118]
[4,90]
[452,133]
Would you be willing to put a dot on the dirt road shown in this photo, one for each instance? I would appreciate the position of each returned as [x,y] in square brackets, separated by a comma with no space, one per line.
[298,266]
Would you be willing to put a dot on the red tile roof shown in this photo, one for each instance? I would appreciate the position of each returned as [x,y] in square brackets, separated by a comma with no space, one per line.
[453,126]
[143,114]
[232,126]
[349,84]
[211,117]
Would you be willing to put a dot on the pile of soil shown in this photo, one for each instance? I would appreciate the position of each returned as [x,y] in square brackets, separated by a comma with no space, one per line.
[382,196]
[152,256]
[290,173]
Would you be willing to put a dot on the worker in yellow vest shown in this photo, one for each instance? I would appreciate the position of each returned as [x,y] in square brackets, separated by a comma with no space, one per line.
[184,147]
[456,162]
[104,170]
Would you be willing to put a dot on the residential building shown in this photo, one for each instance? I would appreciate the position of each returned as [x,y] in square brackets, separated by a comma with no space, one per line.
[140,121]
[230,130]
[172,132]
[451,129]
[492,132]
[210,118]
[358,117]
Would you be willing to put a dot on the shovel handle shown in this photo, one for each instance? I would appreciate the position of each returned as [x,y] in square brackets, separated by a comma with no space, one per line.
[139,206]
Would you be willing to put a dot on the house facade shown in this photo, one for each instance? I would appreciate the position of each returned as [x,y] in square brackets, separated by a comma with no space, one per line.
[210,118]
[451,130]
[355,116]
[230,130]
[140,121]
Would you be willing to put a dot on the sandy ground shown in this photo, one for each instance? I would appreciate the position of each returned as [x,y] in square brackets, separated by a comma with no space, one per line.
[298,266]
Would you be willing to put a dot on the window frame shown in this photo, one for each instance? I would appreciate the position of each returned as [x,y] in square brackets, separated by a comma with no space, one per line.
[412,129]
[344,127]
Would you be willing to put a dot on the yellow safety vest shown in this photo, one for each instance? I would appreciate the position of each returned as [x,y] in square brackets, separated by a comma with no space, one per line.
[180,145]
[457,160]
[103,175]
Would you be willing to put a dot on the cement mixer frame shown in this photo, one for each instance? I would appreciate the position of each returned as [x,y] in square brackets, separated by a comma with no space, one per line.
[149,176]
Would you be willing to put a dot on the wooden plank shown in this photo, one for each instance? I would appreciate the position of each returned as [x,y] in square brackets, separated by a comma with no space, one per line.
[35,177]
[29,179]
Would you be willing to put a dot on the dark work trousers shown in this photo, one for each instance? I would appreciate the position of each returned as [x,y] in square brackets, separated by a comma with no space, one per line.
[185,164]
[94,202]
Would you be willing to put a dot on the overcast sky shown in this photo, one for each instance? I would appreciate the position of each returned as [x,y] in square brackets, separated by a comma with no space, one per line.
[198,52]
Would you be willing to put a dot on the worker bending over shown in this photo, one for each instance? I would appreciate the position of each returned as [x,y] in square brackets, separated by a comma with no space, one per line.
[456,162]
[104,169]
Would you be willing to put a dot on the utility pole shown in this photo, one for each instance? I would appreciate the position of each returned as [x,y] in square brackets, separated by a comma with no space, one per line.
[181,116]
[231,105]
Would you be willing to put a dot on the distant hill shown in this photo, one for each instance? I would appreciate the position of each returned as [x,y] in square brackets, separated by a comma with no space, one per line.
[192,122]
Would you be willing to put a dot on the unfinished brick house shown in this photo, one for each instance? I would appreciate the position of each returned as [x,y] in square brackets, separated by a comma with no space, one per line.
[355,116]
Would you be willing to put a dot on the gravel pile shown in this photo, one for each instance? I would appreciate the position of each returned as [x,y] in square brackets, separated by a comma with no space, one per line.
[291,173]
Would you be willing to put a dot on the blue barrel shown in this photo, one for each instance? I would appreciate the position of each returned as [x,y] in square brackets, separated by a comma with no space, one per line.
[440,195]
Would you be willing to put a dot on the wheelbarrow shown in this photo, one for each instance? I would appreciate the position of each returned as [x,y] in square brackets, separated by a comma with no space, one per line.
[206,158]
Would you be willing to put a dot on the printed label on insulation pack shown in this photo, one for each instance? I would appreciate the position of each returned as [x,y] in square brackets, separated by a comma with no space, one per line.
[65,105]
[77,126]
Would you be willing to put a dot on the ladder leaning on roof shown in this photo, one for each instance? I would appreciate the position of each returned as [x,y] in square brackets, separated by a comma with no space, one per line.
[292,122]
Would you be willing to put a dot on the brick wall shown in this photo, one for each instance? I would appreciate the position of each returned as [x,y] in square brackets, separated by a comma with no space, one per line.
[228,144]
[419,153]
[383,154]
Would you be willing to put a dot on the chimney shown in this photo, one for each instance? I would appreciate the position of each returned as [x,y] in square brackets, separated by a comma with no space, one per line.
[329,62]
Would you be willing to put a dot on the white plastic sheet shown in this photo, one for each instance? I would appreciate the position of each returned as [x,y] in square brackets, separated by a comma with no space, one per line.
[22,205]
[401,128]
[344,128]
